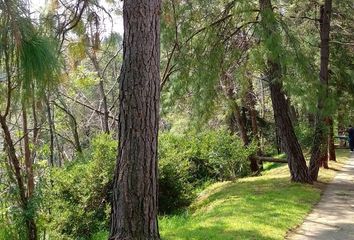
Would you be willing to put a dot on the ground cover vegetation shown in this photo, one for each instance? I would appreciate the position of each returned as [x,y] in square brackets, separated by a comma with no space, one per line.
[204,118]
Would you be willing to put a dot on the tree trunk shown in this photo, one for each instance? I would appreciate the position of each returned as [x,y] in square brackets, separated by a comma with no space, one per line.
[331,147]
[251,104]
[240,123]
[311,119]
[296,160]
[319,147]
[51,132]
[15,165]
[73,125]
[292,112]
[236,116]
[31,224]
[134,203]
[96,65]
[27,155]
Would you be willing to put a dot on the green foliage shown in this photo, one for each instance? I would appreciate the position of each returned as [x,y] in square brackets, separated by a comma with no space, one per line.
[77,195]
[205,46]
[304,134]
[190,160]
[263,207]
[30,57]
[38,64]
[12,215]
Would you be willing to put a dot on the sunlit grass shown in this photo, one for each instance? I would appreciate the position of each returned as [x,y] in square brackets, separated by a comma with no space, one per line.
[257,208]
[263,207]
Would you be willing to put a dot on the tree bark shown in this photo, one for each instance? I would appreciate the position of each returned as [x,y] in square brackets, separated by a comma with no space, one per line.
[292,112]
[15,165]
[134,203]
[30,222]
[96,43]
[51,132]
[331,147]
[240,123]
[292,148]
[236,116]
[27,155]
[319,147]
[296,160]
[73,125]
[251,104]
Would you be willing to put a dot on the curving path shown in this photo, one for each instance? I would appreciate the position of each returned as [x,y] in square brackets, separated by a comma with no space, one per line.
[333,217]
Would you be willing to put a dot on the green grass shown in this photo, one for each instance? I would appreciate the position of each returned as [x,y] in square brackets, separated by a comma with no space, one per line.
[264,207]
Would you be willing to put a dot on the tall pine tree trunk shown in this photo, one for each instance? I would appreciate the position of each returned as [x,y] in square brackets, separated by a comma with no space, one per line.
[134,203]
[319,147]
[296,160]
[292,148]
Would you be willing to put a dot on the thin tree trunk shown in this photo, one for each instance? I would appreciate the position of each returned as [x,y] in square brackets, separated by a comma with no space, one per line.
[95,42]
[73,126]
[102,93]
[27,155]
[15,165]
[331,147]
[10,147]
[229,91]
[240,123]
[134,203]
[296,160]
[31,225]
[341,127]
[292,112]
[251,104]
[319,148]
[51,132]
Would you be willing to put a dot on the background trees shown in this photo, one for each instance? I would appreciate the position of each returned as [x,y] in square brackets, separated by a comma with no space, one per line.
[239,79]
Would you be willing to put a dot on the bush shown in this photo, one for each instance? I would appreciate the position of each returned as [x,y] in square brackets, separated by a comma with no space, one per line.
[188,161]
[77,196]
[175,185]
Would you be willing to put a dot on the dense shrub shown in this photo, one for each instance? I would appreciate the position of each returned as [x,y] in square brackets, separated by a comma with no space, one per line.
[77,196]
[187,161]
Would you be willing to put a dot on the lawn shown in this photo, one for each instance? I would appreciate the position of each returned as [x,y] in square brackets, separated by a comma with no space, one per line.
[259,208]
[264,207]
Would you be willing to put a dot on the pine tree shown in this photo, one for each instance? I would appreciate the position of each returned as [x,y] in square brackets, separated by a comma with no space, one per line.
[134,204]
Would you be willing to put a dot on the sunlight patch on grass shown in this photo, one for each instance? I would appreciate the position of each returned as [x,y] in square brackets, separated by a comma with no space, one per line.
[263,207]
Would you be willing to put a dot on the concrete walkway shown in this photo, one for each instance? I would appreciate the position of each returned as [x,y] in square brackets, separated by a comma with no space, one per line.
[333,217]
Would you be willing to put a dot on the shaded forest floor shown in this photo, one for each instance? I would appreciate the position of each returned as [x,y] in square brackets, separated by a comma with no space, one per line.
[263,207]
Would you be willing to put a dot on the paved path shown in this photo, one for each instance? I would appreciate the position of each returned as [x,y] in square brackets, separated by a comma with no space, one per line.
[333,217]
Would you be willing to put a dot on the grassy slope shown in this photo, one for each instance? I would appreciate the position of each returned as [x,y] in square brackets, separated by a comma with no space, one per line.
[264,207]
